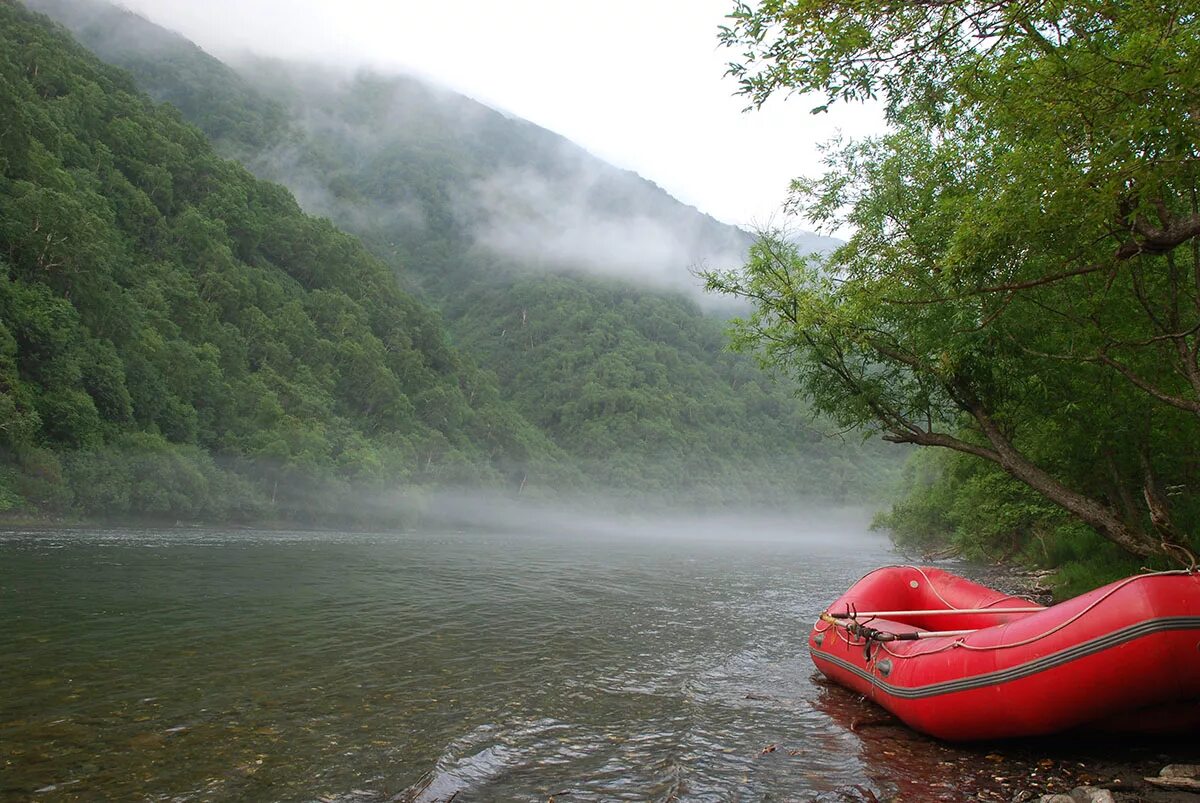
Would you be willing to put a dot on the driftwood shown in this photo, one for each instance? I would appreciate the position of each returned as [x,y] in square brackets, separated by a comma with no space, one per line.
[1179,777]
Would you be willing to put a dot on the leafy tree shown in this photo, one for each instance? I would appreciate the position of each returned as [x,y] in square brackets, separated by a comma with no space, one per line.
[1023,285]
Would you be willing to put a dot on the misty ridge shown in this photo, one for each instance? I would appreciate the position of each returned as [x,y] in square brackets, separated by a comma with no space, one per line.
[514,190]
[395,158]
[518,192]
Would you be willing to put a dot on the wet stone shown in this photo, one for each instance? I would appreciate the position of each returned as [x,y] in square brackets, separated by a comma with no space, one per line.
[1178,777]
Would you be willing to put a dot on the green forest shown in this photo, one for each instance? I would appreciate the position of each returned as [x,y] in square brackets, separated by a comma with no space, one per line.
[181,342]
[1021,296]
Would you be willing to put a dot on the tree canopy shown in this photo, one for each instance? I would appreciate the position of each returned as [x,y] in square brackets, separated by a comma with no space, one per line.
[1023,282]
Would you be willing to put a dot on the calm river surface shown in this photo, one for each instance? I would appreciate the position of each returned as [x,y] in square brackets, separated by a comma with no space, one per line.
[252,665]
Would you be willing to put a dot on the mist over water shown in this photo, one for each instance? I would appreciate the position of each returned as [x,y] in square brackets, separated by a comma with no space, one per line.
[599,518]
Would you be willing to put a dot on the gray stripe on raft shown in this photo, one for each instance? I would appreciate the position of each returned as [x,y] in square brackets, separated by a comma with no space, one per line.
[1116,638]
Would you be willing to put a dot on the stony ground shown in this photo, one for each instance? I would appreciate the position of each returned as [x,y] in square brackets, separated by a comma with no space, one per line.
[912,767]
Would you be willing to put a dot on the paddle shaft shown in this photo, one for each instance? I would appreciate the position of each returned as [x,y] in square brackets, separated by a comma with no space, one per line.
[919,634]
[933,612]
[879,635]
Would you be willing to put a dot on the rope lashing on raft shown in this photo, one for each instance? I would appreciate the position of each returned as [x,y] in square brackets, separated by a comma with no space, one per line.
[938,612]
[851,625]
[872,636]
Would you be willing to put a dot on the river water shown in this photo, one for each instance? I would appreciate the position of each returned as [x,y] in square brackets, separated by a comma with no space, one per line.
[606,663]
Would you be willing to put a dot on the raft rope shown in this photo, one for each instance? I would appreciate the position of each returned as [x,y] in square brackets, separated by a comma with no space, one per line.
[870,635]
[1167,546]
[952,606]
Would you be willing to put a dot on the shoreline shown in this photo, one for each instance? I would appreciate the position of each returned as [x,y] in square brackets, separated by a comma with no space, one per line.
[1017,771]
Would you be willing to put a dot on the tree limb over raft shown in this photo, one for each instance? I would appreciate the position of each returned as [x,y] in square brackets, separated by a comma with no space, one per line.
[1106,520]
[792,332]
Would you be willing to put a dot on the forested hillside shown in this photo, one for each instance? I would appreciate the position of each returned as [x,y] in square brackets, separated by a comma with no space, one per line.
[566,277]
[445,171]
[178,339]
[638,389]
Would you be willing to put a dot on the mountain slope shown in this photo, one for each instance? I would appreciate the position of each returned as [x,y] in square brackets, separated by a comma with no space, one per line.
[636,387]
[436,162]
[500,222]
[161,306]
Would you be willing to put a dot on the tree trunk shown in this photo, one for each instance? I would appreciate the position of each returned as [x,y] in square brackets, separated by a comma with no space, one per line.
[1103,518]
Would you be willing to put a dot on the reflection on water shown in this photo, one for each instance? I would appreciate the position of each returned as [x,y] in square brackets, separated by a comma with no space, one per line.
[211,665]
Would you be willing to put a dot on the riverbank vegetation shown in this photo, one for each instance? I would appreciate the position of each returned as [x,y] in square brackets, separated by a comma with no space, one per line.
[1022,290]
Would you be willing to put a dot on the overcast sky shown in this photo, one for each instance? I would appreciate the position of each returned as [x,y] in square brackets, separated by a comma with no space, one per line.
[637,82]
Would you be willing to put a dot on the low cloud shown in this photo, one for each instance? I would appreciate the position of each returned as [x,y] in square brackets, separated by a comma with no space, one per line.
[549,225]
[576,213]
[531,197]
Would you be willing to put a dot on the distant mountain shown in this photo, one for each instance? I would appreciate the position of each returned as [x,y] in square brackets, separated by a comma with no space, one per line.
[543,259]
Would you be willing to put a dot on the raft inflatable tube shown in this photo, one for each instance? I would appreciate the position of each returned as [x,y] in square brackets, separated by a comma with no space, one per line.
[960,661]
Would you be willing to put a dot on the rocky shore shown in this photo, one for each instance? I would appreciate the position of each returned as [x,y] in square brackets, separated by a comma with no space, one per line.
[906,767]
[1178,782]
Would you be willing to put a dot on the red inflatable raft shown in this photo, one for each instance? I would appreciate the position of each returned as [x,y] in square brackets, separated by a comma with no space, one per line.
[961,661]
